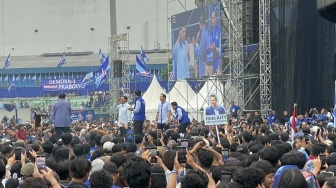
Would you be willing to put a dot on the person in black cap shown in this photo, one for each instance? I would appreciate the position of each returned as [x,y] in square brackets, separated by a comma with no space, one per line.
[60,116]
[112,169]
[139,112]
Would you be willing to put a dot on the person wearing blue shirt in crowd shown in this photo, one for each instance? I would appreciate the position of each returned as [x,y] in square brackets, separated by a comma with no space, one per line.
[180,56]
[307,119]
[139,112]
[215,41]
[285,117]
[270,117]
[234,110]
[6,134]
[322,116]
[204,43]
[32,137]
[181,116]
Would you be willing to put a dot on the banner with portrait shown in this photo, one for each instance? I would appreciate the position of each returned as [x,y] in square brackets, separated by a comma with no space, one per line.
[215,114]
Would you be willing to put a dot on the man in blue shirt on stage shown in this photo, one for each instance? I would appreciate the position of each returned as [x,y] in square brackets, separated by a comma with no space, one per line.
[162,118]
[204,43]
[234,110]
[60,116]
[181,116]
[215,42]
[139,112]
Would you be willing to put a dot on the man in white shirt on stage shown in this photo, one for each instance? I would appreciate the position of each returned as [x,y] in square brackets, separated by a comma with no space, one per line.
[124,115]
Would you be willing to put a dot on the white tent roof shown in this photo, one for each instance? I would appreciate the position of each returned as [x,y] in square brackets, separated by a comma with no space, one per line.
[152,95]
[211,86]
[182,93]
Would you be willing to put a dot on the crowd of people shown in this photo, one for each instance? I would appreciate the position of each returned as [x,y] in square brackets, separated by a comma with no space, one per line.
[251,151]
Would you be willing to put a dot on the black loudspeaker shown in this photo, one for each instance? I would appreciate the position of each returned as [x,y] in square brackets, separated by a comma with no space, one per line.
[327,9]
[117,68]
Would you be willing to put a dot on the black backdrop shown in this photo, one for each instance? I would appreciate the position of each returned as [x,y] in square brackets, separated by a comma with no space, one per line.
[303,56]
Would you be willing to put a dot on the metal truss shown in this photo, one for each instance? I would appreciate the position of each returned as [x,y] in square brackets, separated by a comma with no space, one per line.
[119,50]
[265,55]
[232,16]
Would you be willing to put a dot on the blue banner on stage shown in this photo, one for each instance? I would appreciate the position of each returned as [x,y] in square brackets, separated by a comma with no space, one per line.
[83,115]
[62,84]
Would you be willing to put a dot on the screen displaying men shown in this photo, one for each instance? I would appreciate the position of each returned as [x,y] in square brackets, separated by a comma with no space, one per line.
[196,39]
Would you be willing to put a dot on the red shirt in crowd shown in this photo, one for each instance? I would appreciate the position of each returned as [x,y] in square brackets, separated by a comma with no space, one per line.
[21,134]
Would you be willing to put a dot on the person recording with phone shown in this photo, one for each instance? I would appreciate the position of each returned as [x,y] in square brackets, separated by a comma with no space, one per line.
[162,118]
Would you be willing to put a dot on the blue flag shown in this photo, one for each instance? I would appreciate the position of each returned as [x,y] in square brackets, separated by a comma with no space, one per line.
[13,78]
[17,78]
[143,56]
[62,61]
[11,86]
[101,57]
[25,78]
[88,78]
[141,69]
[7,63]
[102,73]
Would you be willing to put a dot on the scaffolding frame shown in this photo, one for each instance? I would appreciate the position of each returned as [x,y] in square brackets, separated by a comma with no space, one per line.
[118,47]
[237,56]
[265,55]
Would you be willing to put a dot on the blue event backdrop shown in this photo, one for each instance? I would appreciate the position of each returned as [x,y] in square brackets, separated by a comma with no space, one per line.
[62,84]
[38,92]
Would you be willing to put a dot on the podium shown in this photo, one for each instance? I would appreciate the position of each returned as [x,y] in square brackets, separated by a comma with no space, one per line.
[38,117]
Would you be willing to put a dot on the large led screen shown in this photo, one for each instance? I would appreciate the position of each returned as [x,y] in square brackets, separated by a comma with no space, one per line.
[196,43]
